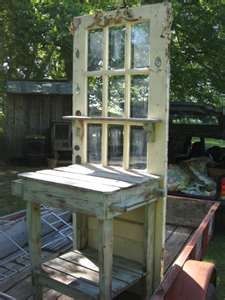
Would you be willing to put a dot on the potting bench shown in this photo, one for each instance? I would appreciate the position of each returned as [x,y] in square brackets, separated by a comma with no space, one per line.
[120,122]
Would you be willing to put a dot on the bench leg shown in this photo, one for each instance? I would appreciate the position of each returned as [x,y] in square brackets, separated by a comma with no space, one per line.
[149,225]
[34,239]
[105,252]
[80,230]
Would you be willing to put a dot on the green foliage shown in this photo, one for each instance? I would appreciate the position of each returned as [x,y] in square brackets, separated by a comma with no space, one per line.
[36,43]
[197,51]
[2,124]
[216,255]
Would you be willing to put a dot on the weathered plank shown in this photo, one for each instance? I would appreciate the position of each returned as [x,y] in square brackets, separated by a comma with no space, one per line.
[105,258]
[77,177]
[34,235]
[39,87]
[69,182]
[82,272]
[128,237]
[175,243]
[112,172]
[186,212]
[149,242]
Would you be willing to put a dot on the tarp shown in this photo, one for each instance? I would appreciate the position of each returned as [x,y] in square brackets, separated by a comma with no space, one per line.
[191,177]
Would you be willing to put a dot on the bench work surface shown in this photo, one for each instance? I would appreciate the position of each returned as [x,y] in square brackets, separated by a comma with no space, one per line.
[98,190]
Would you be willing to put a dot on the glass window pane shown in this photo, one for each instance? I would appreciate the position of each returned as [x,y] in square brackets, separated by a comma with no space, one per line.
[139,96]
[115,145]
[94,143]
[95,50]
[94,96]
[116,47]
[138,147]
[116,96]
[140,48]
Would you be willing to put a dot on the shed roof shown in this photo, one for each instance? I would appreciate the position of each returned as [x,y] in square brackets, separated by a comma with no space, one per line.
[39,87]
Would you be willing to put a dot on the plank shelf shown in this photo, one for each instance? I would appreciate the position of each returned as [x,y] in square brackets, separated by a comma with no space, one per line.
[114,120]
[79,270]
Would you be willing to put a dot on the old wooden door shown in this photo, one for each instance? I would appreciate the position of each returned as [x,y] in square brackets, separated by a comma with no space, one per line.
[121,95]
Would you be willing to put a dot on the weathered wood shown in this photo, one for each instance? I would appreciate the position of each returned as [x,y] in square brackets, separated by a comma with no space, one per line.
[123,269]
[111,181]
[175,243]
[32,115]
[34,233]
[105,252]
[159,108]
[87,178]
[39,87]
[58,281]
[114,120]
[185,211]
[84,194]
[80,223]
[108,192]
[81,271]
[112,172]
[149,242]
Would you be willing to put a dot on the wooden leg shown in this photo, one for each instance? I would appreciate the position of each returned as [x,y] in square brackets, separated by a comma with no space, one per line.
[105,252]
[160,227]
[80,231]
[34,234]
[149,248]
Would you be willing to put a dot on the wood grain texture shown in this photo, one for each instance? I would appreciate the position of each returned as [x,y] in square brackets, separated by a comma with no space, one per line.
[80,271]
[89,259]
[175,243]
[34,240]
[90,189]
[105,257]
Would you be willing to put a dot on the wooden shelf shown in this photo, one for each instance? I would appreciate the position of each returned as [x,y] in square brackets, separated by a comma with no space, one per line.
[112,119]
[79,272]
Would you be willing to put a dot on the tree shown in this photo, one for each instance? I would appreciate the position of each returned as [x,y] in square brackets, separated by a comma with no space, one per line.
[197,51]
[35,43]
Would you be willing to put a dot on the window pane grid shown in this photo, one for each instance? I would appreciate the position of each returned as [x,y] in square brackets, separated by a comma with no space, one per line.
[109,76]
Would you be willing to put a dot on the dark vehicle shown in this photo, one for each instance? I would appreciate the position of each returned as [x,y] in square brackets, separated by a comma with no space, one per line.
[197,145]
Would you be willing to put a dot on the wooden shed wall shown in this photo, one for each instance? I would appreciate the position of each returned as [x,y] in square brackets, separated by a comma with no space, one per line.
[32,115]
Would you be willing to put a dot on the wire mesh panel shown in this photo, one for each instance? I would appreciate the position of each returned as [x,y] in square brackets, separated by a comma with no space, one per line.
[56,238]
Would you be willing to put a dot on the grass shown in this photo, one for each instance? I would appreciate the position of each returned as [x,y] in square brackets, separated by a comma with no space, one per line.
[8,203]
[216,254]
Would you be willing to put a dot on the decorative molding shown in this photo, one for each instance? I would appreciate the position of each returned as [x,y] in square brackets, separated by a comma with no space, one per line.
[103,19]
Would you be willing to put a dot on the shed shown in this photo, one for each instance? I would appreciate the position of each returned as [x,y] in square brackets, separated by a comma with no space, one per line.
[32,108]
